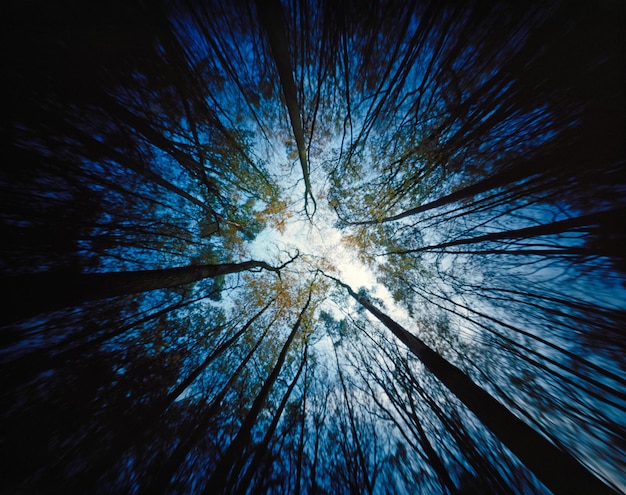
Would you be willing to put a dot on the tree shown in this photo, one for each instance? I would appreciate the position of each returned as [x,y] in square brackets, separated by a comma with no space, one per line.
[553,466]
[217,481]
[271,18]
[44,287]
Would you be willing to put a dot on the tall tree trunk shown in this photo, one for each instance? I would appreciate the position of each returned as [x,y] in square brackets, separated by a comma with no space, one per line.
[298,487]
[171,397]
[557,469]
[219,479]
[512,175]
[97,151]
[585,223]
[261,450]
[193,429]
[62,353]
[32,294]
[142,423]
[271,17]
[361,466]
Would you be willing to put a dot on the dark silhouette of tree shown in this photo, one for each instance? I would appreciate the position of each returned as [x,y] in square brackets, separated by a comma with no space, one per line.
[557,469]
[219,478]
[271,18]
[198,425]
[44,288]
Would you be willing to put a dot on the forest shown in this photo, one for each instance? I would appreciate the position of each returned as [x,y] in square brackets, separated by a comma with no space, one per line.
[313,247]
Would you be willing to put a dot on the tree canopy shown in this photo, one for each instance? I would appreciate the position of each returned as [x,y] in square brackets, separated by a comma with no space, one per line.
[313,247]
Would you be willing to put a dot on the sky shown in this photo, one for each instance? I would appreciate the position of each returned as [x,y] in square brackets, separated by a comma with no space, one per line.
[316,236]
[319,237]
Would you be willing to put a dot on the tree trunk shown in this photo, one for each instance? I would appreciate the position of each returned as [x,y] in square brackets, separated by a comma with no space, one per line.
[298,487]
[510,176]
[60,354]
[192,430]
[32,294]
[261,450]
[271,18]
[585,223]
[219,479]
[557,469]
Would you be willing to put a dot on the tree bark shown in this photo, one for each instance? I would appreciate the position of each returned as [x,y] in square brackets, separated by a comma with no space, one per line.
[585,223]
[261,450]
[557,469]
[192,430]
[510,176]
[219,479]
[32,294]
[271,18]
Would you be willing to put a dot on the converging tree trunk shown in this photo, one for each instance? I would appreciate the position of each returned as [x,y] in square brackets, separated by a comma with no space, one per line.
[142,424]
[271,18]
[584,223]
[261,450]
[193,430]
[31,294]
[218,480]
[510,176]
[557,469]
